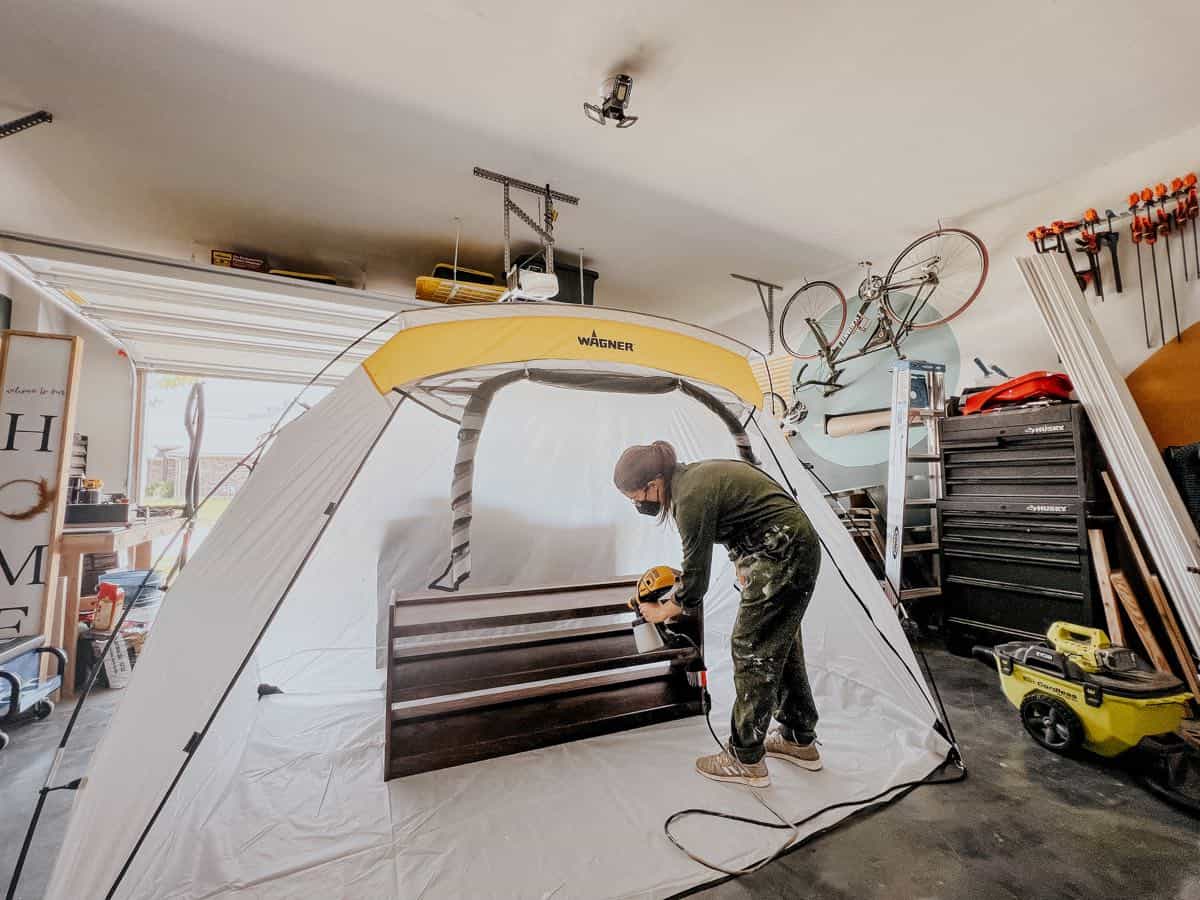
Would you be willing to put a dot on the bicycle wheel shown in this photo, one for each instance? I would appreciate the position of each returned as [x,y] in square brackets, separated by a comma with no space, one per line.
[823,303]
[949,264]
[773,404]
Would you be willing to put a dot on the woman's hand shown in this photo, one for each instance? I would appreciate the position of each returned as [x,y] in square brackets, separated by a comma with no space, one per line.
[657,613]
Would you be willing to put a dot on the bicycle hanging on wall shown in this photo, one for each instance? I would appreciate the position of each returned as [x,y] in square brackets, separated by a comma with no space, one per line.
[948,263]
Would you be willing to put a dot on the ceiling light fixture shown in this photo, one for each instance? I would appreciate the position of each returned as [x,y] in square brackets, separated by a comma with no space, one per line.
[614,94]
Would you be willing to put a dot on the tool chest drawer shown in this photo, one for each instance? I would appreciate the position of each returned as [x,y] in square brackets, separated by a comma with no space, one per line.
[1035,422]
[1015,566]
[1046,452]
[988,610]
[1016,543]
[1020,521]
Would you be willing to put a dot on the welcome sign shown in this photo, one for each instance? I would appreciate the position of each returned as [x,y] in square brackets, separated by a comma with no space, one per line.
[37,383]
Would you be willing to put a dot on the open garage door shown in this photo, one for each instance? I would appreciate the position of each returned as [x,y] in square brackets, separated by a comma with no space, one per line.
[198,319]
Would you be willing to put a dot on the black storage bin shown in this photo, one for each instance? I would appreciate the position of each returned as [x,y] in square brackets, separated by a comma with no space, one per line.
[568,279]
[1020,487]
[98,513]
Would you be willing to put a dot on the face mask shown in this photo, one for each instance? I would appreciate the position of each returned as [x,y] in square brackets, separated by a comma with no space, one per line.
[648,507]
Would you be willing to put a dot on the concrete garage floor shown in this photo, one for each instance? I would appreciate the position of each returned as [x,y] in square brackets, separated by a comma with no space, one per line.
[1026,823]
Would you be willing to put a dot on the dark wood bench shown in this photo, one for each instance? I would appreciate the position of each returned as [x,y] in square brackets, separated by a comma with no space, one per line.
[568,670]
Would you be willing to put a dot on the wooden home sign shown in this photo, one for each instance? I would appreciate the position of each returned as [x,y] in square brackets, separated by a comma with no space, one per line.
[37,406]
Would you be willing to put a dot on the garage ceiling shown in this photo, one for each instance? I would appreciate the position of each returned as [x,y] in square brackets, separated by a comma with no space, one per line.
[779,139]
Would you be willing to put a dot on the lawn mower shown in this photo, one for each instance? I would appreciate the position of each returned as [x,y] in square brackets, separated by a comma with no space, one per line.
[1075,690]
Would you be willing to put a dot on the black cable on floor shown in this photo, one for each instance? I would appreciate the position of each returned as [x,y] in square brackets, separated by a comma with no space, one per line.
[953,755]
[868,804]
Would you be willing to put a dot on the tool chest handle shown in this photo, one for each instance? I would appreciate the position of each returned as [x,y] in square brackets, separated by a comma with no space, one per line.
[977,444]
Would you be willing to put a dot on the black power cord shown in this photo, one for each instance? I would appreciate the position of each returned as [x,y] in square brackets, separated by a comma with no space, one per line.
[891,793]
[953,757]
[898,790]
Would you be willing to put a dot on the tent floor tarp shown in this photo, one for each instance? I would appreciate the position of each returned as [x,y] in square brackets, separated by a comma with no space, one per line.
[303,810]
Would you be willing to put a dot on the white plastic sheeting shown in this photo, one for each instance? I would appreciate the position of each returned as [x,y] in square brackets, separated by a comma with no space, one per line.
[285,796]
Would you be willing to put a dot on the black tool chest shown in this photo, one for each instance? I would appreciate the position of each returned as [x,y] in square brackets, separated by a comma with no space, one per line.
[1019,489]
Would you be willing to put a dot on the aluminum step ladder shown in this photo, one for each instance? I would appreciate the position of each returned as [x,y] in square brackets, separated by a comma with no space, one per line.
[918,398]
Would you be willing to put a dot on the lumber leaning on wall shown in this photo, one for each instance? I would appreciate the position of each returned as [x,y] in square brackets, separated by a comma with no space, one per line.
[1154,587]
[1131,452]
[1133,608]
[1112,613]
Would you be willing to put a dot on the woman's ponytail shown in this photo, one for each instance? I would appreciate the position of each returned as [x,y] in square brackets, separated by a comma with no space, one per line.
[641,464]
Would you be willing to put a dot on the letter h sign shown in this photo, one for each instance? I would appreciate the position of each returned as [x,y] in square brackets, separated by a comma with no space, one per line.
[37,394]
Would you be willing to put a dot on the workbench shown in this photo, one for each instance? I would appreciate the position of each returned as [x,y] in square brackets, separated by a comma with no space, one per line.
[485,673]
[78,541]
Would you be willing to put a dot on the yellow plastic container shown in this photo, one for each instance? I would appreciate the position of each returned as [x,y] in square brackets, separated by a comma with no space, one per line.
[443,290]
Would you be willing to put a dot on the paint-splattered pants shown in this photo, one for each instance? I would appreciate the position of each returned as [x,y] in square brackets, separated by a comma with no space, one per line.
[777,580]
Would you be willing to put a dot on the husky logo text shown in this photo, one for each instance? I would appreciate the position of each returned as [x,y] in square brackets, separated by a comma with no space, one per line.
[1045,507]
[605,343]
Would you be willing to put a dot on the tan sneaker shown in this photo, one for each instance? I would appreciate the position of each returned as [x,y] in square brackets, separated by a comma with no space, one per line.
[724,766]
[805,756]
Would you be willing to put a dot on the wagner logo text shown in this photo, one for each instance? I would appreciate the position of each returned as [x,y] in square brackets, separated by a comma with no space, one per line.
[605,343]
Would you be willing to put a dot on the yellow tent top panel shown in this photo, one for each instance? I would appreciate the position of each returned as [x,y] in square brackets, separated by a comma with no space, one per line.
[449,346]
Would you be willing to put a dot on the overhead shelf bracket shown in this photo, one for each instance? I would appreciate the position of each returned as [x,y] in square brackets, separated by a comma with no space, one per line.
[8,129]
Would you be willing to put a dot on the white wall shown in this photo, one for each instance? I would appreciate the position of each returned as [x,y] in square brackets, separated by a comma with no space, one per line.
[105,406]
[1004,324]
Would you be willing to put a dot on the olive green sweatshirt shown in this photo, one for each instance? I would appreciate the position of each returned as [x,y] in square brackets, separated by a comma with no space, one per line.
[723,501]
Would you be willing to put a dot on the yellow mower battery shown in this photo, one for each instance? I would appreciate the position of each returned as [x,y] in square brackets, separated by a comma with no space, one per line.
[1076,689]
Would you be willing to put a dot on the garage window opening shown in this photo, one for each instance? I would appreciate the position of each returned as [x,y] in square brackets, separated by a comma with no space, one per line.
[235,416]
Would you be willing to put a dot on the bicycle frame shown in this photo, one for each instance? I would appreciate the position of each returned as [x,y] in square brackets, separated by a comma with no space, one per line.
[883,335]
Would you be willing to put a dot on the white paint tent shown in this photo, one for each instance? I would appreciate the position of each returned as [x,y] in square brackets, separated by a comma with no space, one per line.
[285,796]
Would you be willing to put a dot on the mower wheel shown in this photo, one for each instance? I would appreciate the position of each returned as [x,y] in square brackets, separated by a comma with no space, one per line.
[1051,723]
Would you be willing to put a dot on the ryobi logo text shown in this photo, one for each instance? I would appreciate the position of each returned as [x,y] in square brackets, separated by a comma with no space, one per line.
[605,343]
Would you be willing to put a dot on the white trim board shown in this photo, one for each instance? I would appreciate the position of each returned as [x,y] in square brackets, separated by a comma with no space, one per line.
[1133,458]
